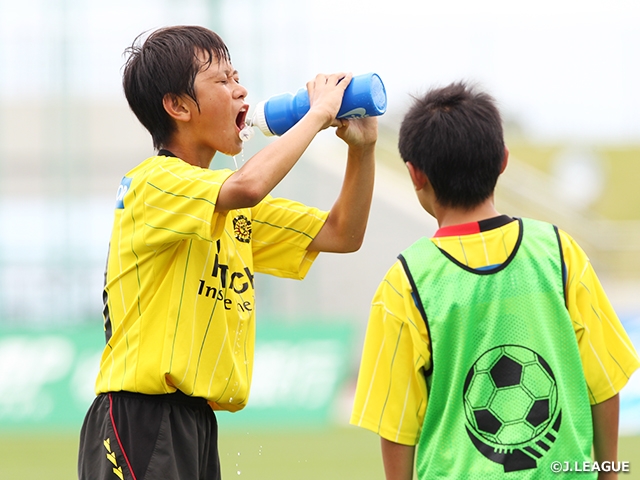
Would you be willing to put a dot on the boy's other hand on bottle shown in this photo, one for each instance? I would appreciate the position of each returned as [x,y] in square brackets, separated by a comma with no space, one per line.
[358,132]
[325,97]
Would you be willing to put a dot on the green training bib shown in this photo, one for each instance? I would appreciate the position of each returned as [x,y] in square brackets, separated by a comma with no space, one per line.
[507,394]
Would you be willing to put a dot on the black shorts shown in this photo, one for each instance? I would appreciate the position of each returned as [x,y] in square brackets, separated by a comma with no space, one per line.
[131,436]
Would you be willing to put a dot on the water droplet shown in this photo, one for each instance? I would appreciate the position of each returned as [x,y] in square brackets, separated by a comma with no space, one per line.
[239,472]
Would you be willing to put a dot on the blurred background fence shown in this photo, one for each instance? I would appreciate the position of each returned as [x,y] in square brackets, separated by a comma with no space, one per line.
[563,76]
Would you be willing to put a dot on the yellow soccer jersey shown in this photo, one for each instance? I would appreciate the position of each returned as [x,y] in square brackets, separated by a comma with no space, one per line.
[179,294]
[391,394]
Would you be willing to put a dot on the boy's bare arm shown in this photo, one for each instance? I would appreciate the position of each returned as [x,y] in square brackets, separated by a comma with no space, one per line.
[397,460]
[262,172]
[605,433]
[345,226]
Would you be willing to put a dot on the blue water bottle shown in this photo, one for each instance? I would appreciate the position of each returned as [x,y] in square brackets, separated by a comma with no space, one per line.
[365,96]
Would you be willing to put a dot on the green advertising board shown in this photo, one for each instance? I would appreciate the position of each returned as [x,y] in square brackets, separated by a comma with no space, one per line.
[48,376]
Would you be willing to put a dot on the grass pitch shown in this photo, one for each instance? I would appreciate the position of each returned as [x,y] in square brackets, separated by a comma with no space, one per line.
[338,453]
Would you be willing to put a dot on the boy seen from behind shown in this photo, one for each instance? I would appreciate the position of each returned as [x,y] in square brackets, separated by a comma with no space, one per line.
[492,351]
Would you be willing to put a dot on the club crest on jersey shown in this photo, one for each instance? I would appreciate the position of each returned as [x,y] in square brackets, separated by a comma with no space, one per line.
[242,228]
[122,191]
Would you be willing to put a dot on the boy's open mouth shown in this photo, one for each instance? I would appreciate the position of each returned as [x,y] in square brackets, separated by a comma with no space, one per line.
[242,115]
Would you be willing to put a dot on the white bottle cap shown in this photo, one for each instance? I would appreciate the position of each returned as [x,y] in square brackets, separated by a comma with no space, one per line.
[259,120]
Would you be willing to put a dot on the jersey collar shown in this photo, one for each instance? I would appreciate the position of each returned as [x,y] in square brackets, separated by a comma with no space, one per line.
[473,227]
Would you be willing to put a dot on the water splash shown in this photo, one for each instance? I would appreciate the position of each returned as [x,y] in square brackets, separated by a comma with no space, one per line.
[235,160]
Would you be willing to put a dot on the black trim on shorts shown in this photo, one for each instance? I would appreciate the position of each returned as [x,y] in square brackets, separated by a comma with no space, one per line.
[175,398]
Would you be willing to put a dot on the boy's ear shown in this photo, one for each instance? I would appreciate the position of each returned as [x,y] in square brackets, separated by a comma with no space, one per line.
[176,107]
[418,177]
[505,160]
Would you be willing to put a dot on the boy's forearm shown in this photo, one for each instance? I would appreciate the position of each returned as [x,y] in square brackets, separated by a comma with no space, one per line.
[605,432]
[345,227]
[397,460]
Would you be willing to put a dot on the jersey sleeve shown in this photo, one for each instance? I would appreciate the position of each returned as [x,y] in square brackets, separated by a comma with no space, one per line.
[282,230]
[391,392]
[178,202]
[607,354]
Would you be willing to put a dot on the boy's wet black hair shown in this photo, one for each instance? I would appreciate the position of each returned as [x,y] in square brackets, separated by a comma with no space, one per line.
[167,62]
[454,135]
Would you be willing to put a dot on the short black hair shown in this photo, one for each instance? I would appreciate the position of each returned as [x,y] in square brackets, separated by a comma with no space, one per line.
[454,135]
[167,63]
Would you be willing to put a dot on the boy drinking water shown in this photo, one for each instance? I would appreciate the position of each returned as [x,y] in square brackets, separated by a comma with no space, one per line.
[179,313]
